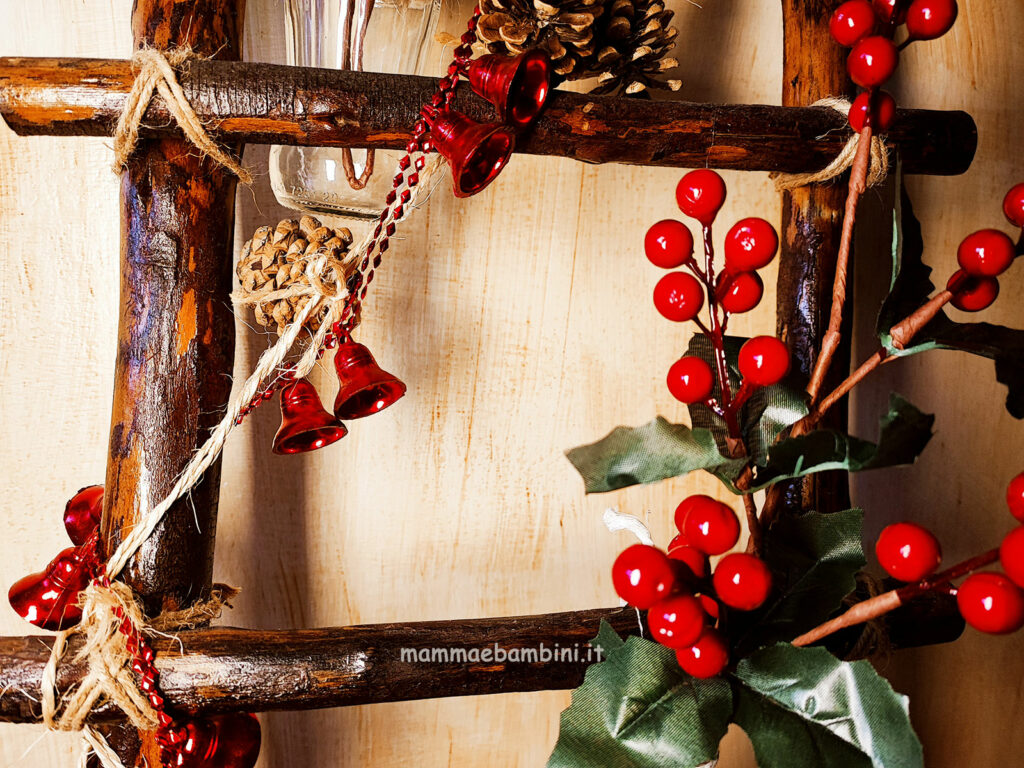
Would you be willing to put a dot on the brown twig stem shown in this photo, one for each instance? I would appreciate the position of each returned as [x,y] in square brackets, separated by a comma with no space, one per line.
[857,185]
[888,601]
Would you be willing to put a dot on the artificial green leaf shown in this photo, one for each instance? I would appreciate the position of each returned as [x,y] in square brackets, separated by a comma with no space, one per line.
[763,417]
[656,451]
[910,288]
[638,709]
[903,433]
[814,559]
[803,708]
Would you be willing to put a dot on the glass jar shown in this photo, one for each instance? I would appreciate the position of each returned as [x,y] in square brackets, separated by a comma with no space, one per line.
[398,39]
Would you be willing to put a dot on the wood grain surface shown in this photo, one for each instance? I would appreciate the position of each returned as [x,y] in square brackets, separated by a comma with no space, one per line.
[521,321]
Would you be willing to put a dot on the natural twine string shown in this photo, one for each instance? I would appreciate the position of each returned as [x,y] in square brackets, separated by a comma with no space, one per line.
[156,74]
[877,171]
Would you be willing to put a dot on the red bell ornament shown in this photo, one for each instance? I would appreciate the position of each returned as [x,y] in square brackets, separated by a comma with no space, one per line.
[475,151]
[49,599]
[518,86]
[82,514]
[305,424]
[365,387]
[220,741]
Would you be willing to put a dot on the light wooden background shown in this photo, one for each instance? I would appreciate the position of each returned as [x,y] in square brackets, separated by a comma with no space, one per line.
[521,321]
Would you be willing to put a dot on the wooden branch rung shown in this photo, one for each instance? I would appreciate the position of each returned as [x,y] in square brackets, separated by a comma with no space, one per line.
[271,104]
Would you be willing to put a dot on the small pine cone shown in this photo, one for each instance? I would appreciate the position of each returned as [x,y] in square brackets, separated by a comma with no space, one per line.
[276,259]
[636,38]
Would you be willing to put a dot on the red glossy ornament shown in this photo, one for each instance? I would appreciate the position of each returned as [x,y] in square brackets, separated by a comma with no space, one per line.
[1013,205]
[1011,555]
[517,86]
[700,195]
[986,253]
[872,61]
[750,244]
[695,560]
[677,621]
[739,292]
[886,8]
[668,244]
[929,19]
[305,424]
[711,526]
[1015,497]
[972,294]
[365,387]
[884,114]
[991,603]
[49,599]
[220,741]
[643,575]
[690,380]
[678,297]
[851,21]
[475,151]
[742,581]
[908,551]
[705,658]
[763,361]
[82,514]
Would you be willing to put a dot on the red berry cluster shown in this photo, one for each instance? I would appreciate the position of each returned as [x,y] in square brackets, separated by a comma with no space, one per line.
[989,601]
[983,256]
[749,245]
[867,27]
[682,604]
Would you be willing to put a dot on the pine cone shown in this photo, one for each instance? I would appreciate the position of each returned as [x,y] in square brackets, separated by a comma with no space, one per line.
[275,259]
[621,42]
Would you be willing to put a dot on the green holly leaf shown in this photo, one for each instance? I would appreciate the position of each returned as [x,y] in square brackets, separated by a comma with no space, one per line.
[910,288]
[903,433]
[768,412]
[803,708]
[814,559]
[638,709]
[656,451]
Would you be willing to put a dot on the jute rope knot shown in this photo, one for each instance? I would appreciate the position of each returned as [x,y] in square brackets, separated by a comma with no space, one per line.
[877,171]
[156,75]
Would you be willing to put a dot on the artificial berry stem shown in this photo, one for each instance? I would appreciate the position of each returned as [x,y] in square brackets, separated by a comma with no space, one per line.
[717,336]
[894,598]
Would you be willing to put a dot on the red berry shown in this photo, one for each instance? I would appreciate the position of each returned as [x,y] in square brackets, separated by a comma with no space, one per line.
[643,575]
[710,606]
[683,510]
[668,244]
[677,541]
[852,21]
[678,296]
[691,557]
[972,294]
[1015,497]
[1011,555]
[929,19]
[750,244]
[872,61]
[739,292]
[986,253]
[706,658]
[886,8]
[677,621]
[711,526]
[907,551]
[690,380]
[881,119]
[700,195]
[991,603]
[742,581]
[763,361]
[1013,205]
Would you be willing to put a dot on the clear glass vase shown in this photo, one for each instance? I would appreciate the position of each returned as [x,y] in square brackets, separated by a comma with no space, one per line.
[398,38]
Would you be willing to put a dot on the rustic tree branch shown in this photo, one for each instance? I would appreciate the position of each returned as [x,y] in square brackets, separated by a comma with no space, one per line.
[264,103]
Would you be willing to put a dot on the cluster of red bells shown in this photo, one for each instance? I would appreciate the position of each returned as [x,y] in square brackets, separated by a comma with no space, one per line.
[476,152]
